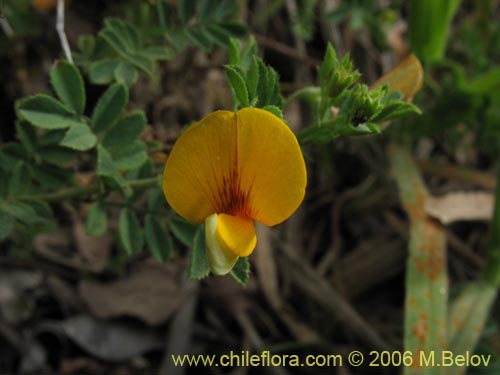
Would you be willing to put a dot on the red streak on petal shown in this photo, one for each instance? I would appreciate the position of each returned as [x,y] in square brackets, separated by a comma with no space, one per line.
[232,199]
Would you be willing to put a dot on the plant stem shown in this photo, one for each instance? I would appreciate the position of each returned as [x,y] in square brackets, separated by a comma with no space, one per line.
[79,191]
[492,270]
[61,32]
[474,177]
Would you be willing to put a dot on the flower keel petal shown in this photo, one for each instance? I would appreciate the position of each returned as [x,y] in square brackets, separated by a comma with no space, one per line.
[236,234]
[220,259]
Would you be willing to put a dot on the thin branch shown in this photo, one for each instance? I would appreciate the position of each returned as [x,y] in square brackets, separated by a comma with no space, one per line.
[5,25]
[302,73]
[77,192]
[309,282]
[286,50]
[469,176]
[61,32]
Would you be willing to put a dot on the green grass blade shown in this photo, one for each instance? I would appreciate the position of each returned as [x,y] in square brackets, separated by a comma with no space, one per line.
[429,24]
[470,310]
[426,276]
[492,270]
[468,314]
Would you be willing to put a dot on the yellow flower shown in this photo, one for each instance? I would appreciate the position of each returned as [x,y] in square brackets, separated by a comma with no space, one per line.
[229,170]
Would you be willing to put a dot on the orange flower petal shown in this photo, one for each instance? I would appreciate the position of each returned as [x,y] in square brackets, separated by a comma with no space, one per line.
[271,167]
[198,165]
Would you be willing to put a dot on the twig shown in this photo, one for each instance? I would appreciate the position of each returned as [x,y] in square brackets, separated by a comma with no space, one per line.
[466,175]
[375,266]
[11,336]
[86,191]
[308,280]
[301,72]
[254,337]
[334,251]
[464,250]
[286,50]
[179,337]
[266,9]
[455,243]
[268,278]
[331,31]
[6,26]
[61,32]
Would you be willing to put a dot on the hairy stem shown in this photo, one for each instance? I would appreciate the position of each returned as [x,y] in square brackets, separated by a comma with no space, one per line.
[78,191]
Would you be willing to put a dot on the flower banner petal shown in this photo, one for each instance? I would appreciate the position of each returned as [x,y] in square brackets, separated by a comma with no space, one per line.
[271,168]
[199,165]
